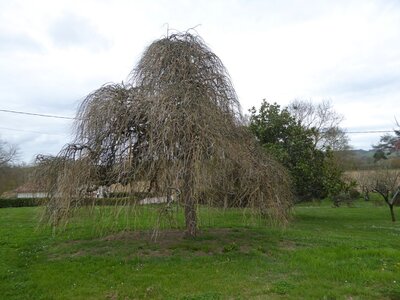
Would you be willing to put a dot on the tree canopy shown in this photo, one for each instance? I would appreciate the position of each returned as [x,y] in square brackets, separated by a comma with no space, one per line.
[176,124]
[323,121]
[314,171]
[388,144]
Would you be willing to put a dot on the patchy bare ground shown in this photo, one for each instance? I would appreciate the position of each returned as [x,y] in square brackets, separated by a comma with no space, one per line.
[133,244]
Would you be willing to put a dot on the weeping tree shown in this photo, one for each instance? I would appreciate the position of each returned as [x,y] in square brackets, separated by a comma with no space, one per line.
[176,125]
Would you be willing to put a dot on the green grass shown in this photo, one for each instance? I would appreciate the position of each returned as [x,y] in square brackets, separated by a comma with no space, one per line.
[325,253]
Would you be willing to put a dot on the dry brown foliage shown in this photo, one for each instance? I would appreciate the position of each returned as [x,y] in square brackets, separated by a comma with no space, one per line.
[176,125]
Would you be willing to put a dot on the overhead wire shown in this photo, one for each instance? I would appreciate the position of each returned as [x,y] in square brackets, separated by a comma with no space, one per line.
[72,118]
[36,114]
[370,131]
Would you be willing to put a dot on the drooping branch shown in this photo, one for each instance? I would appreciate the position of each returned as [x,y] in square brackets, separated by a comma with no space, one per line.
[177,124]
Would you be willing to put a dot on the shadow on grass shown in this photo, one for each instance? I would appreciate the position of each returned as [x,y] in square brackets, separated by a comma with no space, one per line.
[165,243]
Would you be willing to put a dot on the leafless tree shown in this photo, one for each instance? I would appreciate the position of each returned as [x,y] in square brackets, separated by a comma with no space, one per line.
[365,183]
[177,125]
[323,120]
[8,153]
[384,181]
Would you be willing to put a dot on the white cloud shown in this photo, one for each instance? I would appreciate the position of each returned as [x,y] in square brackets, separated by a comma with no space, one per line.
[70,31]
[53,53]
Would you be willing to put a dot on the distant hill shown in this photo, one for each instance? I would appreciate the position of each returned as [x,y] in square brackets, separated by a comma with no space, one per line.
[363,154]
[364,159]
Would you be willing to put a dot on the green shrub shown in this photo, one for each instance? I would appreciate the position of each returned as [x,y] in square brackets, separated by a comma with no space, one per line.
[354,194]
[21,202]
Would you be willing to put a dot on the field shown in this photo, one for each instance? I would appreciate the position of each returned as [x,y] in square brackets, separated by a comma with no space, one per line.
[355,175]
[325,253]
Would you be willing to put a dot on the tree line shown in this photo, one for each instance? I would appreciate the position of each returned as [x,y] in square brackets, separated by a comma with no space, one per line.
[12,174]
[177,125]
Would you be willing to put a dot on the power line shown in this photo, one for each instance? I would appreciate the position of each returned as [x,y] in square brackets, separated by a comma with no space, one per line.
[71,118]
[35,114]
[348,132]
[370,131]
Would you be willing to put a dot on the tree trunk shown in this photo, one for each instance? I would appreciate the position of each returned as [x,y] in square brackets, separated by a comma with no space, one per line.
[190,205]
[392,213]
[366,196]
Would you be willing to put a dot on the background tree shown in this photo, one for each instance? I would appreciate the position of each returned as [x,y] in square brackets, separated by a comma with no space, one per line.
[314,171]
[11,174]
[176,125]
[365,183]
[388,144]
[323,121]
[8,153]
[11,177]
[386,182]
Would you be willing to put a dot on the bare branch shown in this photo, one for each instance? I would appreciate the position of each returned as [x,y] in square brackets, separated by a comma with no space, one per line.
[176,124]
[324,122]
[8,153]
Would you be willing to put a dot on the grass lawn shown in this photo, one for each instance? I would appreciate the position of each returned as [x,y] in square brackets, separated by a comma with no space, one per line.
[325,253]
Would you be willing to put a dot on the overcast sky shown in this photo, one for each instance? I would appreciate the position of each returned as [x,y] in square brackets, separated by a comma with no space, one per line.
[54,53]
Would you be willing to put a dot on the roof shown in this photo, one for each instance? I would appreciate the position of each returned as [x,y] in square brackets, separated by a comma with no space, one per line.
[29,187]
